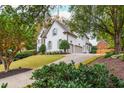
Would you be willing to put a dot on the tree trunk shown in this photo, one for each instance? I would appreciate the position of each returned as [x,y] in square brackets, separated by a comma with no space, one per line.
[64,50]
[117,42]
[6,63]
[6,66]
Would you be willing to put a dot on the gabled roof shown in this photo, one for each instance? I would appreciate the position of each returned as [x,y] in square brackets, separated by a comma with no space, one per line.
[102,41]
[66,30]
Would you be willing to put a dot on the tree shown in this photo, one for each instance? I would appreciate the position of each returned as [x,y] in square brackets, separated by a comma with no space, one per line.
[43,48]
[96,19]
[17,27]
[93,49]
[64,45]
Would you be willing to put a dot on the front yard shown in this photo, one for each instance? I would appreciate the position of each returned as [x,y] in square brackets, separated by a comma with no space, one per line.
[33,61]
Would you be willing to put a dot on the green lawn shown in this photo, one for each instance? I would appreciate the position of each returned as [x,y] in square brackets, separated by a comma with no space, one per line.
[33,61]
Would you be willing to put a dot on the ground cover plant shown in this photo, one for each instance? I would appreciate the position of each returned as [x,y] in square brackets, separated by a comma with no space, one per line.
[68,76]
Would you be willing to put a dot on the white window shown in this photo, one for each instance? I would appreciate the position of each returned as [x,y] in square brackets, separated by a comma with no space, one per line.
[54,31]
[49,45]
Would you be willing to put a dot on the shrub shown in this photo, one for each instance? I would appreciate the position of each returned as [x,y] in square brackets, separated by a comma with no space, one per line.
[118,56]
[43,48]
[64,45]
[93,49]
[54,53]
[4,85]
[24,54]
[68,76]
[122,57]
[28,86]
[109,54]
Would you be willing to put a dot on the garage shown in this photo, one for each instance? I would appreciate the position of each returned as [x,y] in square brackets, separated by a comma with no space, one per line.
[71,50]
[78,49]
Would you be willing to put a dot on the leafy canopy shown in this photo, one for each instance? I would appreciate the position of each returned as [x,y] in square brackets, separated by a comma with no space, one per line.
[64,45]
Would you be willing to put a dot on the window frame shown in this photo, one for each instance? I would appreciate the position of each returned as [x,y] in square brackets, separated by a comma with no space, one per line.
[54,32]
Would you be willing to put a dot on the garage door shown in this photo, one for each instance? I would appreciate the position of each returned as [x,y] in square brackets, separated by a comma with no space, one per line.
[78,49]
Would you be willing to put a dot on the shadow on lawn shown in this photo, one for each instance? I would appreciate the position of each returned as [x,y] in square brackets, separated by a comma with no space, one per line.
[13,72]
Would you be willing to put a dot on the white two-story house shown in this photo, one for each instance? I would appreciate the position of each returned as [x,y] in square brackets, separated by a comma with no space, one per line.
[52,37]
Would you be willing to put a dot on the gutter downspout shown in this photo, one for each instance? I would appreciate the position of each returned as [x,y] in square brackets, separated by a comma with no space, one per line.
[68,41]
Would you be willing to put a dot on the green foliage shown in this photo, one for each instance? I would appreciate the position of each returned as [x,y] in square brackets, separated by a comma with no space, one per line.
[99,21]
[28,86]
[117,82]
[18,29]
[64,45]
[118,56]
[30,45]
[4,85]
[109,54]
[43,48]
[122,57]
[68,76]
[93,49]
[24,54]
[55,53]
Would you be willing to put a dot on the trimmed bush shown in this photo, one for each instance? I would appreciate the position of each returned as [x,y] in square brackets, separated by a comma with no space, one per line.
[55,52]
[64,45]
[4,85]
[24,54]
[93,49]
[43,48]
[122,57]
[109,54]
[68,76]
[118,56]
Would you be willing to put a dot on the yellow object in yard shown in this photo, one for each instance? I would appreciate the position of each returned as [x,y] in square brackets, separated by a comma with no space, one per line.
[88,61]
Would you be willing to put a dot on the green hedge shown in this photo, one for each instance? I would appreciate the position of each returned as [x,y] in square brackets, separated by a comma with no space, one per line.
[68,76]
[24,54]
[3,85]
[109,54]
[93,49]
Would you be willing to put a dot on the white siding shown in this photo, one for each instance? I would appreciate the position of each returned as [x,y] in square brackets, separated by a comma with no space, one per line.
[55,39]
[60,35]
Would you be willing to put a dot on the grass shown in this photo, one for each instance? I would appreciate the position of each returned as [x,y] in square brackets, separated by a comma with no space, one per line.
[88,61]
[33,61]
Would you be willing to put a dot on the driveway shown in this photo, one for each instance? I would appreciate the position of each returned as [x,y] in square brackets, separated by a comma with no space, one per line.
[22,79]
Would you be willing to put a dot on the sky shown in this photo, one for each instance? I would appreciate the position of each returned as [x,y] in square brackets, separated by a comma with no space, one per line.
[64,12]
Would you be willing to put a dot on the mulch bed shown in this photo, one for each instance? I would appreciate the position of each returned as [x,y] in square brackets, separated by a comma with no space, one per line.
[115,66]
[13,72]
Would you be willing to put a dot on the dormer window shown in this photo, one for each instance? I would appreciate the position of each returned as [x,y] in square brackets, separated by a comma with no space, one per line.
[54,31]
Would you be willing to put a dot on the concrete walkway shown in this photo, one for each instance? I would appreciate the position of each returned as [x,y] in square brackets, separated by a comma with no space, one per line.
[23,79]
